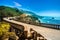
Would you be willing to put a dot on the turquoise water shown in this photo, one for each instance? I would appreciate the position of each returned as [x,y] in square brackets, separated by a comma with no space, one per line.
[50,20]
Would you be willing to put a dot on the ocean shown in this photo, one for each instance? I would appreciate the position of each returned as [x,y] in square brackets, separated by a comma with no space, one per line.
[50,20]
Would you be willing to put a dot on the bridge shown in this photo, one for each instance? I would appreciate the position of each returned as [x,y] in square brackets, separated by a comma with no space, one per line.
[49,34]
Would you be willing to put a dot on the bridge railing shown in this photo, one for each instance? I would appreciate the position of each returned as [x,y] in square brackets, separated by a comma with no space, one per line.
[56,26]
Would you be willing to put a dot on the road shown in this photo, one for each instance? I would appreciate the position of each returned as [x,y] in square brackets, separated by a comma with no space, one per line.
[48,33]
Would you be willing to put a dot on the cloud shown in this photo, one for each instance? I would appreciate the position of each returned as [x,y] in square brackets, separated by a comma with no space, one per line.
[17,4]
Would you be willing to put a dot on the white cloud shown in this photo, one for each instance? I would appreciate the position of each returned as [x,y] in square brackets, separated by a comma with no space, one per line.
[17,4]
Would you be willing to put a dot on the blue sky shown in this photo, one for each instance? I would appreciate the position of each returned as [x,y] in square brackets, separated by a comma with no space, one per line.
[40,7]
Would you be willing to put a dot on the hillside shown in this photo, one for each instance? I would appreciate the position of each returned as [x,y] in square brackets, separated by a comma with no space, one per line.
[29,19]
[8,12]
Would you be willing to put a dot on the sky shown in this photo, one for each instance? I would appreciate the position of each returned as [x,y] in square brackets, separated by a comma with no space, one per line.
[40,7]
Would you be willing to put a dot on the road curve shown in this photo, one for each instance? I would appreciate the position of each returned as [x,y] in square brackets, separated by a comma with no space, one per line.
[50,34]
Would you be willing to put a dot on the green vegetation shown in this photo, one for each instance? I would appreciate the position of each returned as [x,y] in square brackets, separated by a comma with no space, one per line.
[28,19]
[9,12]
[4,31]
[4,27]
[8,35]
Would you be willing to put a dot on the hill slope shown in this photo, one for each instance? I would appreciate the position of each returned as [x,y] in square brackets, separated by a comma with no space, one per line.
[9,12]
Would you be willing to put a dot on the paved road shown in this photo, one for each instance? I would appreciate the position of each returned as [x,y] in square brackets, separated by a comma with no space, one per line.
[50,34]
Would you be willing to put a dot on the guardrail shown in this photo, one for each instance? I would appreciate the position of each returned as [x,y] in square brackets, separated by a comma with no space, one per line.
[55,26]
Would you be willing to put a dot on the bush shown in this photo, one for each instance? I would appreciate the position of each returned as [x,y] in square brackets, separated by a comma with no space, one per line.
[4,27]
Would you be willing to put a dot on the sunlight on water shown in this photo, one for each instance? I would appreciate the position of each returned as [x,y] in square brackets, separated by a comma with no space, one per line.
[50,20]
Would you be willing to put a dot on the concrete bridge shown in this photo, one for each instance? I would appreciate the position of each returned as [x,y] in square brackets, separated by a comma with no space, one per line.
[49,34]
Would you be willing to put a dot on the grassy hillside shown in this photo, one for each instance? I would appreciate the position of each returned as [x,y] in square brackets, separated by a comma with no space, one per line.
[28,19]
[9,12]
